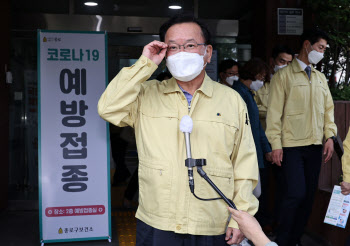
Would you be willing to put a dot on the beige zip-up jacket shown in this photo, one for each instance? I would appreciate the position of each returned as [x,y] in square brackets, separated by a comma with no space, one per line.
[221,134]
[300,111]
[345,160]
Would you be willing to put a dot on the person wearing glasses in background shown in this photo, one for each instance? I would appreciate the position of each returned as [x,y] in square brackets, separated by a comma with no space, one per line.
[252,77]
[300,114]
[228,72]
[168,214]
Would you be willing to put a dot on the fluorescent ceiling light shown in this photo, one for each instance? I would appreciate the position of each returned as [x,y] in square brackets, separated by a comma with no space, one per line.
[175,7]
[90,3]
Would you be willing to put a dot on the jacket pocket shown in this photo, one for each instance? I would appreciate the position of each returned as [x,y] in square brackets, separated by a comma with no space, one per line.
[212,212]
[215,135]
[154,187]
[299,95]
[158,111]
[296,125]
[157,133]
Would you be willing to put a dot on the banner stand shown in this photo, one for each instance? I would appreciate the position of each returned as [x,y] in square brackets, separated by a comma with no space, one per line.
[73,141]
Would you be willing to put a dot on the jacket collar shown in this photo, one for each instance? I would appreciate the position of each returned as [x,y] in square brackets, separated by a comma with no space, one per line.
[171,86]
[296,66]
[207,86]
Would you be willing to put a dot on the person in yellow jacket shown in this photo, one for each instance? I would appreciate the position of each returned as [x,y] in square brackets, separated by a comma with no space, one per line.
[300,114]
[345,185]
[282,56]
[168,214]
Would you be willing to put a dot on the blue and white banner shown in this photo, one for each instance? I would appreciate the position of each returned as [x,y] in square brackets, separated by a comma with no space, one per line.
[74,186]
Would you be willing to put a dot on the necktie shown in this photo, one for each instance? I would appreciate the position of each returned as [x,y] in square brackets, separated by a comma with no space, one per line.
[308,71]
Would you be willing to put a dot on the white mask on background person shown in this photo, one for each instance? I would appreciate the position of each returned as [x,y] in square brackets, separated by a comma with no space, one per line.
[314,56]
[278,67]
[185,66]
[256,85]
[230,80]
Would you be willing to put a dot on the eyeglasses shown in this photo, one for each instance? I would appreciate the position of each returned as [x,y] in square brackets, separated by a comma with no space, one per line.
[190,47]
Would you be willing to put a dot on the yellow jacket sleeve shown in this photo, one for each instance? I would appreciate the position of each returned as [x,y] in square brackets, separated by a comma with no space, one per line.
[330,128]
[275,111]
[245,169]
[346,159]
[119,102]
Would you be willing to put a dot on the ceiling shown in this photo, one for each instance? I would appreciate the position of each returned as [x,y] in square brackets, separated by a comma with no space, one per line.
[222,9]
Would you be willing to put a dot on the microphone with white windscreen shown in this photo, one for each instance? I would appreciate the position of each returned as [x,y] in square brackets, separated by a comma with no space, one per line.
[186,126]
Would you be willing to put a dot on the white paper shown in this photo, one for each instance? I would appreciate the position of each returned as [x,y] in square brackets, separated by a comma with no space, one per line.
[338,208]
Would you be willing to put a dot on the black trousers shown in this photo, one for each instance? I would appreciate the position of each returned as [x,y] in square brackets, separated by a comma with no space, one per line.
[148,236]
[263,215]
[278,189]
[300,171]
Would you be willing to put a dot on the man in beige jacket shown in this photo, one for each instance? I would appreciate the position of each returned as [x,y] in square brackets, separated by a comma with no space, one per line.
[168,214]
[300,114]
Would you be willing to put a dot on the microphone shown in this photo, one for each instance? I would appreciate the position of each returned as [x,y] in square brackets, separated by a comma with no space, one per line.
[186,126]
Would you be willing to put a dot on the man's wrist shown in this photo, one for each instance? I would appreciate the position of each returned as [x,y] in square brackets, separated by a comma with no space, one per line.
[233,224]
[260,239]
[333,138]
[276,145]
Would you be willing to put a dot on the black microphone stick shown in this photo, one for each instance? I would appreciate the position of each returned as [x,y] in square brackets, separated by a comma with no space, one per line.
[186,126]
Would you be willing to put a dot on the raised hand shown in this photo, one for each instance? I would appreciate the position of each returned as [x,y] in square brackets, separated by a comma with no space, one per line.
[155,51]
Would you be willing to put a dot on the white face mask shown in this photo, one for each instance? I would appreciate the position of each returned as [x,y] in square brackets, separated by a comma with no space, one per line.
[278,67]
[256,85]
[314,56]
[185,66]
[232,79]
